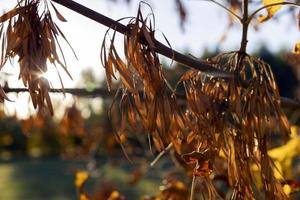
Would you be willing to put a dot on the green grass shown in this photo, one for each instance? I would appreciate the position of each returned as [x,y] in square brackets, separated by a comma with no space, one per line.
[53,179]
[37,179]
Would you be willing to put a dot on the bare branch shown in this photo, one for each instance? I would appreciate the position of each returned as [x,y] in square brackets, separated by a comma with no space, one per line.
[104,93]
[160,48]
[245,24]
[82,92]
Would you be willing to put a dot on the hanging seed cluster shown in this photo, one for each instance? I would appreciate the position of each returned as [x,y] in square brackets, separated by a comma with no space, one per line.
[153,107]
[230,117]
[236,117]
[31,36]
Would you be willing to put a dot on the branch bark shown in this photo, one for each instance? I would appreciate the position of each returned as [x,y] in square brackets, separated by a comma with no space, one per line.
[160,47]
[81,92]
[245,24]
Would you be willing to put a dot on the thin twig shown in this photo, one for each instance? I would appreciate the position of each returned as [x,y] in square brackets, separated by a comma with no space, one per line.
[163,152]
[82,92]
[104,93]
[227,9]
[192,188]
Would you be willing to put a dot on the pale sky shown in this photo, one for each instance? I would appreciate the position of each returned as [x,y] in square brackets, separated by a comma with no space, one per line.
[205,24]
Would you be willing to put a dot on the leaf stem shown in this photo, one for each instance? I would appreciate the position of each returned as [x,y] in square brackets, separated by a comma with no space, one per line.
[192,188]
[163,152]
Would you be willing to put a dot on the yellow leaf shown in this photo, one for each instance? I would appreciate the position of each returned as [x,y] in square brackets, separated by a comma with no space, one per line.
[114,195]
[283,156]
[81,177]
[83,197]
[294,129]
[297,48]
[271,10]
[287,189]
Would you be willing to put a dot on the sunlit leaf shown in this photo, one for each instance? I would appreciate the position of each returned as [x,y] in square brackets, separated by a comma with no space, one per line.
[115,195]
[80,178]
[271,10]
[297,48]
[83,196]
[287,189]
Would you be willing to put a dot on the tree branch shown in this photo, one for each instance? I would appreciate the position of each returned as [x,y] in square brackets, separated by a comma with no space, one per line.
[245,24]
[160,48]
[81,92]
[104,93]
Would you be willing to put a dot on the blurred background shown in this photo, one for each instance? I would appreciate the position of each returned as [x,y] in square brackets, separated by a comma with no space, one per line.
[42,157]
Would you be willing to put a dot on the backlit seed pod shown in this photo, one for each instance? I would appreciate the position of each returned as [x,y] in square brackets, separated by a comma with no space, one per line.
[28,33]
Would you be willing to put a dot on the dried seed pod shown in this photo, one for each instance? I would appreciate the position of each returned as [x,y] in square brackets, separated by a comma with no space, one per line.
[234,116]
[32,36]
[146,96]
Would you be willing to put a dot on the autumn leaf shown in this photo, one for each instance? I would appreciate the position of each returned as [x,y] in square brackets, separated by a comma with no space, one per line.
[284,155]
[115,195]
[297,48]
[83,197]
[81,178]
[271,10]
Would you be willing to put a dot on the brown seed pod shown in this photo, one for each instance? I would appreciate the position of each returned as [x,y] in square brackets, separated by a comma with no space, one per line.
[146,96]
[234,116]
[32,37]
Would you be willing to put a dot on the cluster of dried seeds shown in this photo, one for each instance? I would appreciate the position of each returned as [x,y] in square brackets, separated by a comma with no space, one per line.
[237,117]
[234,117]
[154,107]
[31,36]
